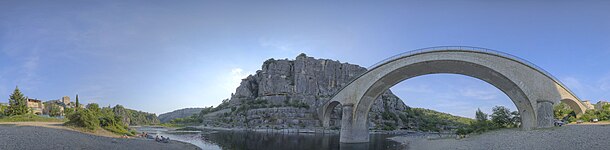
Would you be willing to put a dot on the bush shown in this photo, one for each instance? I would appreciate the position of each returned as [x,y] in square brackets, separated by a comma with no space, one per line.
[93,118]
[84,118]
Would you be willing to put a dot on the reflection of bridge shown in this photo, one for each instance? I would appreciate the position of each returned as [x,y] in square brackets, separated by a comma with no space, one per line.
[531,89]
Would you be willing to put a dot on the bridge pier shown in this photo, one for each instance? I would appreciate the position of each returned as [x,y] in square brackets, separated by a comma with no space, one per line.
[353,130]
[545,114]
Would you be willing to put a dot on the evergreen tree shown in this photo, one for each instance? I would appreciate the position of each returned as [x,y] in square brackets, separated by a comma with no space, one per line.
[76,107]
[17,103]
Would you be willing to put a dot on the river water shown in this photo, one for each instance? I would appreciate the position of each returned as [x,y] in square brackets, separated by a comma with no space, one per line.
[249,140]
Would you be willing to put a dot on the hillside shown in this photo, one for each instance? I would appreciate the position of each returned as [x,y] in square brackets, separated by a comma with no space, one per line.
[180,113]
[134,117]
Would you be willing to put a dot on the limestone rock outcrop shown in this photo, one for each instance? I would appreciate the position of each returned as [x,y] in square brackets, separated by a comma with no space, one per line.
[286,93]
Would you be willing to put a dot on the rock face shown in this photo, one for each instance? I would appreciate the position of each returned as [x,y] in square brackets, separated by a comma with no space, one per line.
[180,113]
[287,93]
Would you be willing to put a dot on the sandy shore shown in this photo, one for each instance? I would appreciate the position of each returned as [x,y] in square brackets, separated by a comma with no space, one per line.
[566,137]
[50,135]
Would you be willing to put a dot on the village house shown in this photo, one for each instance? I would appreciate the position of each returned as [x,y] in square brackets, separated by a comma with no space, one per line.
[36,106]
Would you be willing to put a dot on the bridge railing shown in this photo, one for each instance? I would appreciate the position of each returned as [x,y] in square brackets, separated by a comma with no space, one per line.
[465,49]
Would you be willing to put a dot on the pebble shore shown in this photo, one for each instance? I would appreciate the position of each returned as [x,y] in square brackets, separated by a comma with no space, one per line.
[573,137]
[39,138]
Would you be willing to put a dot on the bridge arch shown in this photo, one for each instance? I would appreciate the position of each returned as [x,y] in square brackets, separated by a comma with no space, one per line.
[532,90]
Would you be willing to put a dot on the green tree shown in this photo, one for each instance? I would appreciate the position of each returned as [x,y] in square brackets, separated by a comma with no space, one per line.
[68,111]
[84,118]
[561,111]
[516,119]
[501,117]
[17,103]
[54,110]
[77,104]
[3,110]
[94,107]
[480,115]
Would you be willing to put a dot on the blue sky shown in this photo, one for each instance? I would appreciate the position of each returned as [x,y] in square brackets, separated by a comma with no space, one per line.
[161,56]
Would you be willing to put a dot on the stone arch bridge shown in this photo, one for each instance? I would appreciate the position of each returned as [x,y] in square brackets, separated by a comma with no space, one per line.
[531,89]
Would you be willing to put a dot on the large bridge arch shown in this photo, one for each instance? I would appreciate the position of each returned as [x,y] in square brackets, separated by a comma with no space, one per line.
[532,90]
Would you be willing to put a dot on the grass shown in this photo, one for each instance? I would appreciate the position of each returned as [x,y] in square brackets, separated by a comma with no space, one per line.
[30,118]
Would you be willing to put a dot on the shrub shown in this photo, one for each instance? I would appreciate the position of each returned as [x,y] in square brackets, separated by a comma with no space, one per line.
[84,118]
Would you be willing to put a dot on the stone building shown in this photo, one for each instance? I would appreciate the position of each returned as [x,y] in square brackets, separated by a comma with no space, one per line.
[63,103]
[65,100]
[36,106]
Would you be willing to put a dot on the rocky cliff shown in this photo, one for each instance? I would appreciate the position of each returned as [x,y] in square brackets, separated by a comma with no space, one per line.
[286,93]
[180,113]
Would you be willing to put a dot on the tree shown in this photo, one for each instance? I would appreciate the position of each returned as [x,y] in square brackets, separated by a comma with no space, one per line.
[94,107]
[480,115]
[3,110]
[561,111]
[54,110]
[516,118]
[84,118]
[68,111]
[17,103]
[76,107]
[501,117]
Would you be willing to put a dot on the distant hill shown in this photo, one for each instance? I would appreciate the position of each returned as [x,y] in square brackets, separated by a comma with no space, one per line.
[180,113]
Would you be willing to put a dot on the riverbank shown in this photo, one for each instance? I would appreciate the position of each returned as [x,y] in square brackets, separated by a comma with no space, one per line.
[566,137]
[297,130]
[53,135]
[59,125]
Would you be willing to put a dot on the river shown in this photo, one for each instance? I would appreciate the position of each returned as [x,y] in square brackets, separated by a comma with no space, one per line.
[249,140]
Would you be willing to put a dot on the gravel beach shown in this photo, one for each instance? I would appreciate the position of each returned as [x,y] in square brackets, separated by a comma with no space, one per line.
[35,138]
[557,138]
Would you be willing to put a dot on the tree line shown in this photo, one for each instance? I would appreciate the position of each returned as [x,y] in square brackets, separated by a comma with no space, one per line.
[501,117]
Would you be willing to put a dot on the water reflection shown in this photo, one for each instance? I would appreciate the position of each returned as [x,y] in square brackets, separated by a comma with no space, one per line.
[248,140]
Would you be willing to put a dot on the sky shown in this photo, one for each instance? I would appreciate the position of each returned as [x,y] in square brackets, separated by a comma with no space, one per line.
[158,56]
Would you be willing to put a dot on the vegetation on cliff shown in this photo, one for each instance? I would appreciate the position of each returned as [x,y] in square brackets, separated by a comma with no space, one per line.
[134,117]
[180,113]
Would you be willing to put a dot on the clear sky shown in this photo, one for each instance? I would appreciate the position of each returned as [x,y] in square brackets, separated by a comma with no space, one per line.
[165,55]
